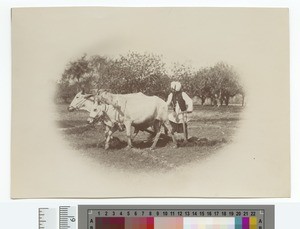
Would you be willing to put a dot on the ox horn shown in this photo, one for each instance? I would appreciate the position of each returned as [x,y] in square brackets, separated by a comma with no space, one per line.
[88,96]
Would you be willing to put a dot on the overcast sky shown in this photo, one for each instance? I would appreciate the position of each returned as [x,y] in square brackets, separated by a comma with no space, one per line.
[45,40]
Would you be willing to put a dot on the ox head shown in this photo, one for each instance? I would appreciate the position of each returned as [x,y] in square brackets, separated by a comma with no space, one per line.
[96,112]
[79,101]
[104,96]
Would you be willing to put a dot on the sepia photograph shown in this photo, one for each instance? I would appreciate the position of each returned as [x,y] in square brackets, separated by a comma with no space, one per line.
[150,102]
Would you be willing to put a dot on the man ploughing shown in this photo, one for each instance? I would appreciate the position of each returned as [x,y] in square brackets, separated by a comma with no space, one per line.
[181,104]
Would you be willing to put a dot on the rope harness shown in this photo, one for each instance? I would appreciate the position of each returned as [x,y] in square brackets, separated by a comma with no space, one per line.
[80,104]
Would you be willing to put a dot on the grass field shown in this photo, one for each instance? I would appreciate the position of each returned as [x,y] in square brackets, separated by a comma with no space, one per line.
[210,129]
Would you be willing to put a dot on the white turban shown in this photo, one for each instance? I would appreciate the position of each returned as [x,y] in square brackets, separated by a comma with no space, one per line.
[173,85]
[177,86]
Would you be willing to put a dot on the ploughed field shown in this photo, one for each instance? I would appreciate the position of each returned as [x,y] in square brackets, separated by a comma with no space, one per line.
[210,129]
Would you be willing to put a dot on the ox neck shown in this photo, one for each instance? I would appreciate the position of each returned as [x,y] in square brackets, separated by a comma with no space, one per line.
[87,105]
[116,100]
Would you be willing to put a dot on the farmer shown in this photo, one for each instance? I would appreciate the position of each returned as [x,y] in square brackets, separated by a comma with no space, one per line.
[181,104]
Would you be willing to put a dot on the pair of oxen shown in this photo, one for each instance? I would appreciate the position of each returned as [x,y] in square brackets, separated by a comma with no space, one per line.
[119,111]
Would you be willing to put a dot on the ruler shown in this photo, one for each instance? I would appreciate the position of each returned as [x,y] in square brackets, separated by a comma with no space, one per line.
[67,217]
[48,219]
[92,213]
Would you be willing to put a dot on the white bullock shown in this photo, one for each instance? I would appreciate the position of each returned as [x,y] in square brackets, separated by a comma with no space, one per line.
[85,102]
[109,116]
[110,120]
[82,101]
[139,111]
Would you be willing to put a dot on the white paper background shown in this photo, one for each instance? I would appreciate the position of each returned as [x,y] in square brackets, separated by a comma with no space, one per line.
[27,209]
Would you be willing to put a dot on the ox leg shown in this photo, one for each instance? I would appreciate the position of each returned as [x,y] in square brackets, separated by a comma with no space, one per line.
[173,138]
[99,141]
[136,131]
[109,136]
[128,134]
[105,136]
[165,129]
[152,135]
[186,133]
[157,126]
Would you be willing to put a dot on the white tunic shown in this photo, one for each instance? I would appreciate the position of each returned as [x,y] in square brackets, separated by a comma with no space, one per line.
[178,116]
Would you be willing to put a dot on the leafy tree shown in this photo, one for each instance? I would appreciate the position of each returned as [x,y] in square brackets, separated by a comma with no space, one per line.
[77,71]
[135,72]
[101,71]
[219,83]
[185,75]
[203,84]
[227,82]
[65,91]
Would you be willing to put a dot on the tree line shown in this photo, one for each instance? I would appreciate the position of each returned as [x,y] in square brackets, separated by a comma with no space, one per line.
[147,73]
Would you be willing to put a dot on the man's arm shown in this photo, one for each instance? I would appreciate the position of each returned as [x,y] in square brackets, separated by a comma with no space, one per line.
[169,100]
[188,101]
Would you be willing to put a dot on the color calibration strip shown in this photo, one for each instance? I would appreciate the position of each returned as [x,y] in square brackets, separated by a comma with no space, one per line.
[175,219]
[175,223]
